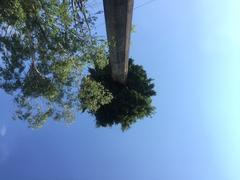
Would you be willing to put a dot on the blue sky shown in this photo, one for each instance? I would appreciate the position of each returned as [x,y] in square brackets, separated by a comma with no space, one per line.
[192,50]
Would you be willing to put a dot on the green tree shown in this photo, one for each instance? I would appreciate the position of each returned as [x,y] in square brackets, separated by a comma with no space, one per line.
[44,47]
[129,102]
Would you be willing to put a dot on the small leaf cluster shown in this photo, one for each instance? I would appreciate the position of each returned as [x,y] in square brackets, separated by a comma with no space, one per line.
[93,95]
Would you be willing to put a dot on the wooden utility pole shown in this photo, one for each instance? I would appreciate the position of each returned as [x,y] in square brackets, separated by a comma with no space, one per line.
[118,17]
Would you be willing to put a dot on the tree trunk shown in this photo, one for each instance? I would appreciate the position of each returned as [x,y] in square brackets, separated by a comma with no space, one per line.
[118,17]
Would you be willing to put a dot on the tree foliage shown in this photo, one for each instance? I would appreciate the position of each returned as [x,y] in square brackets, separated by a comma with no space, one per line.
[44,47]
[93,95]
[129,102]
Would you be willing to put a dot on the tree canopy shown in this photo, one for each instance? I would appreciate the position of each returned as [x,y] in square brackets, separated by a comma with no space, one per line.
[44,47]
[114,103]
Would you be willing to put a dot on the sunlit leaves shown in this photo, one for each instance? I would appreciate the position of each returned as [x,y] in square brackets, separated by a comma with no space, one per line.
[93,95]
[43,49]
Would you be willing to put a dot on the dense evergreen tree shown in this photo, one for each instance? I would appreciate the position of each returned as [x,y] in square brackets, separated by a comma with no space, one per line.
[129,102]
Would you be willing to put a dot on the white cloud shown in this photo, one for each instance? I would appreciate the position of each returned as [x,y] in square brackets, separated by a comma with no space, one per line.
[3,130]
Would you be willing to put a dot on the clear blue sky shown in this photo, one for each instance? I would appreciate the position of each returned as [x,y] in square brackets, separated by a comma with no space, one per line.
[192,50]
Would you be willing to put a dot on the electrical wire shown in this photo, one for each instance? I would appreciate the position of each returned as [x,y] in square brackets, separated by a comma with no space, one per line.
[136,7]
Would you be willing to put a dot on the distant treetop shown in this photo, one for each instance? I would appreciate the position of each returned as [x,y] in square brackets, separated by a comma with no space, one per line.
[113,103]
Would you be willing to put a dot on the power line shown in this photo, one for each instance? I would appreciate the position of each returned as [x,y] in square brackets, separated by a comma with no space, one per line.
[136,7]
[144,4]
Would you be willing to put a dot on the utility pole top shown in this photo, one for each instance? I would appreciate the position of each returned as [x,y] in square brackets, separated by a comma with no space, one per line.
[118,17]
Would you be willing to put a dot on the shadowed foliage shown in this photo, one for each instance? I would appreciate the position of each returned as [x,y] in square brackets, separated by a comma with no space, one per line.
[119,104]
